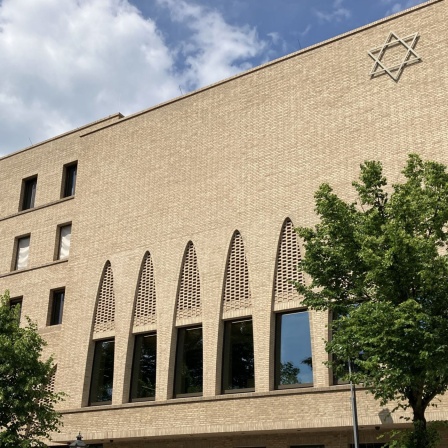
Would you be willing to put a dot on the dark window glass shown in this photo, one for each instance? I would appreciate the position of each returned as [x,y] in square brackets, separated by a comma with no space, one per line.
[188,376]
[143,381]
[293,361]
[307,446]
[57,306]
[238,360]
[102,373]
[17,301]
[369,445]
[70,180]
[28,193]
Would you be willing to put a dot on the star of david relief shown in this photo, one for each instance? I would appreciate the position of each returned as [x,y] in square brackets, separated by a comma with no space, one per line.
[409,55]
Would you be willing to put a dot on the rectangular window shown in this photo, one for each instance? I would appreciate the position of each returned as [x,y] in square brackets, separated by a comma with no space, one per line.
[28,193]
[22,252]
[307,446]
[188,373]
[369,445]
[65,233]
[143,380]
[293,360]
[57,297]
[69,179]
[16,301]
[101,385]
[238,357]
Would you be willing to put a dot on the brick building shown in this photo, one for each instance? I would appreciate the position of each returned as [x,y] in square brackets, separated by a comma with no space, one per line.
[154,250]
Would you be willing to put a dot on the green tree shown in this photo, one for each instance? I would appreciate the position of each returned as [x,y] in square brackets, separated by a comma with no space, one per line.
[380,263]
[27,412]
[289,374]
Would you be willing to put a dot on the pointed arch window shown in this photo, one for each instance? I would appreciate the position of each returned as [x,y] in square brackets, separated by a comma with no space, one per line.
[237,293]
[288,259]
[189,293]
[145,306]
[105,309]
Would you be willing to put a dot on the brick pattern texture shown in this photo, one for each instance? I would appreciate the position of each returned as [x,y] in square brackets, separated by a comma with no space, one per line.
[231,168]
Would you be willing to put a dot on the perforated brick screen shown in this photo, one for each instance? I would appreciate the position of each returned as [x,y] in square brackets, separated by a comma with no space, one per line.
[237,292]
[189,296]
[145,306]
[288,257]
[105,311]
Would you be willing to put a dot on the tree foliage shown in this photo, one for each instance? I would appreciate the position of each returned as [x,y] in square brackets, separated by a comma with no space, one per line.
[27,412]
[381,264]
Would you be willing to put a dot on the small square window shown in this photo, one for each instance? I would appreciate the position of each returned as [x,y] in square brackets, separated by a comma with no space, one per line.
[21,253]
[28,193]
[64,234]
[69,179]
[56,308]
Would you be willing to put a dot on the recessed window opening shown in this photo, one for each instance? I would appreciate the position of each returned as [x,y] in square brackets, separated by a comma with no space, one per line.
[16,301]
[293,359]
[238,357]
[101,386]
[57,298]
[28,193]
[65,233]
[22,252]
[69,179]
[189,362]
[144,366]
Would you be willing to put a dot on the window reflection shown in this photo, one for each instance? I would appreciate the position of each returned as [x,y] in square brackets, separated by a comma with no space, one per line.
[143,382]
[102,373]
[238,362]
[188,376]
[293,363]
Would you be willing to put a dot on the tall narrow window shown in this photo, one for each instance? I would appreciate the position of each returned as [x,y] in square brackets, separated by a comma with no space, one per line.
[16,301]
[101,385]
[57,297]
[188,375]
[143,381]
[293,361]
[238,361]
[65,233]
[28,193]
[22,253]
[69,179]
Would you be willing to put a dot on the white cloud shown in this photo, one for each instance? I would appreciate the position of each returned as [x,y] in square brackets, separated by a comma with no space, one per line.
[399,6]
[66,63]
[337,13]
[216,49]
[305,31]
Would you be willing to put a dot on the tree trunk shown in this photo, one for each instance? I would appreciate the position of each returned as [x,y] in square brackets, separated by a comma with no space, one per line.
[420,437]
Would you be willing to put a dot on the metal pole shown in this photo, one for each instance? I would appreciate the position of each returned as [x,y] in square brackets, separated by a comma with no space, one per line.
[354,408]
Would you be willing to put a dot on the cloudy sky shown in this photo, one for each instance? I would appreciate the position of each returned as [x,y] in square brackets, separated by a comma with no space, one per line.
[65,63]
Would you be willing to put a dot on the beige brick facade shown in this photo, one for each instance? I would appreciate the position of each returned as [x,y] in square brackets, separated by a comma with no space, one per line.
[243,154]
